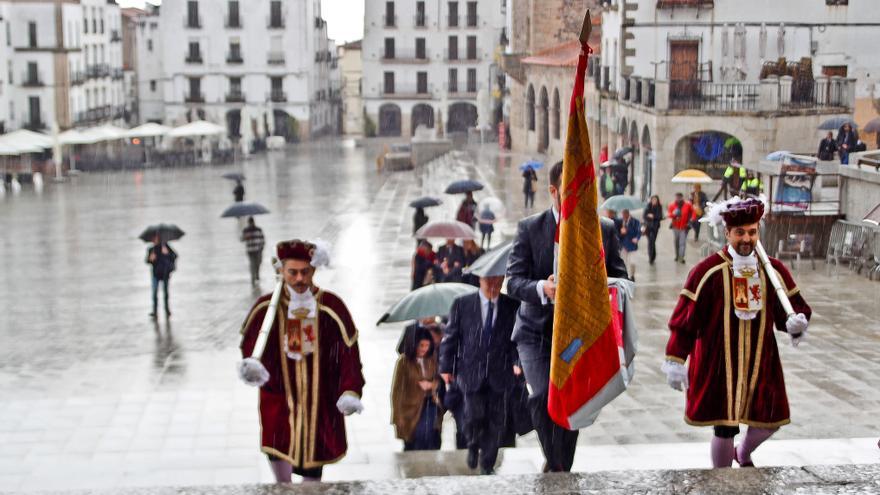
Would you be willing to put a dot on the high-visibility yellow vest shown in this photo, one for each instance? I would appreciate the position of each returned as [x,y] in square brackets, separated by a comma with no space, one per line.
[728,172]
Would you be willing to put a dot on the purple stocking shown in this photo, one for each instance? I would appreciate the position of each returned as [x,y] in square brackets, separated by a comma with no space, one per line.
[754,437]
[722,452]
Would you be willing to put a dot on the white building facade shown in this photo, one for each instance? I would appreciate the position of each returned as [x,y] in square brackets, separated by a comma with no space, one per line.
[352,72]
[64,64]
[259,67]
[694,83]
[431,61]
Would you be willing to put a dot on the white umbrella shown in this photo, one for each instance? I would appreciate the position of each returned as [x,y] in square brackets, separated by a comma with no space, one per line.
[107,132]
[74,136]
[150,129]
[28,138]
[16,149]
[196,129]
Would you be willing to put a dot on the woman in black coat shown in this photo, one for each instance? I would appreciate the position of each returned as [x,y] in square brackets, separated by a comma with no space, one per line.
[651,219]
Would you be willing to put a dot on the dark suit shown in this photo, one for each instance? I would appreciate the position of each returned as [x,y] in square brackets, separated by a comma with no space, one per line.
[483,369]
[454,257]
[531,261]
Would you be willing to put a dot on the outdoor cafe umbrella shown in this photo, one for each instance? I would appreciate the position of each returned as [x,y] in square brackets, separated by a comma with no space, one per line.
[150,129]
[236,176]
[196,129]
[166,231]
[425,202]
[430,300]
[463,186]
[836,123]
[691,176]
[446,230]
[493,263]
[622,202]
[531,164]
[244,210]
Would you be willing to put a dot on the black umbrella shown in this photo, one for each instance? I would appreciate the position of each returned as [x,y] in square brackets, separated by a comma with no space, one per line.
[836,123]
[425,202]
[463,186]
[238,176]
[165,231]
[619,154]
[244,210]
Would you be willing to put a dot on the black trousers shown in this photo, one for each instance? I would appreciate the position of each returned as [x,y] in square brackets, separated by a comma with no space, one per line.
[557,443]
[485,414]
[652,245]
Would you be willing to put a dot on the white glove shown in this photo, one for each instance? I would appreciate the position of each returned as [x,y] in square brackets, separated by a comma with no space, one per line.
[676,374]
[252,372]
[796,326]
[349,404]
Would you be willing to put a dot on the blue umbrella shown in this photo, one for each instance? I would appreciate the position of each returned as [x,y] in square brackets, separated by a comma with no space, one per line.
[425,202]
[463,186]
[836,123]
[533,164]
[778,155]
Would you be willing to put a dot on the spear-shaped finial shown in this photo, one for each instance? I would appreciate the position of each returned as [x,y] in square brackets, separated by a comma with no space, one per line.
[586,28]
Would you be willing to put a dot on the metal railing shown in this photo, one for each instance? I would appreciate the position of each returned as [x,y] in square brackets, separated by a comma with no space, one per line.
[115,36]
[277,95]
[420,21]
[709,96]
[194,98]
[35,123]
[452,20]
[234,58]
[471,21]
[389,21]
[813,93]
[407,56]
[233,21]
[117,73]
[667,4]
[407,90]
[32,80]
[193,58]
[235,97]
[275,22]
[192,22]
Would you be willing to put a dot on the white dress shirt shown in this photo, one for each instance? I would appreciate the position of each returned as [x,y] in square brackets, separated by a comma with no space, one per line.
[540,286]
[484,308]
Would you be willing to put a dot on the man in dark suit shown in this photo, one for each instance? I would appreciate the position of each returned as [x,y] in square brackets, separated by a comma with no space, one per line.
[478,354]
[531,280]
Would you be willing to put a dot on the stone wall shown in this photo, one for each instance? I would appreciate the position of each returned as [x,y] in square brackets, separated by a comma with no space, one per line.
[860,190]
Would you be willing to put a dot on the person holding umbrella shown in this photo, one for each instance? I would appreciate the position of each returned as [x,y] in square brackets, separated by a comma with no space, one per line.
[238,191]
[163,261]
[254,241]
[486,221]
[467,210]
[846,142]
[652,217]
[530,182]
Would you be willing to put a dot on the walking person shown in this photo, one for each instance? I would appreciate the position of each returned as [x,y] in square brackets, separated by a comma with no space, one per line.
[530,184]
[467,210]
[531,281]
[846,142]
[238,192]
[827,147]
[163,261]
[728,299]
[420,218]
[254,241]
[699,201]
[681,213]
[449,262]
[416,410]
[630,232]
[472,253]
[310,371]
[478,355]
[423,265]
[652,216]
[486,221]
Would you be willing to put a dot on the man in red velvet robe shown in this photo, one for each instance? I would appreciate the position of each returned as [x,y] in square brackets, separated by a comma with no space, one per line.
[723,324]
[313,365]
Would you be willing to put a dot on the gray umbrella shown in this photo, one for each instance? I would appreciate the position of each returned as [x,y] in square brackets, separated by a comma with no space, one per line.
[493,263]
[836,123]
[244,210]
[872,126]
[430,300]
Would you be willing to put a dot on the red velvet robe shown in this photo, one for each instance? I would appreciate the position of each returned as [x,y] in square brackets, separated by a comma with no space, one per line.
[735,375]
[301,396]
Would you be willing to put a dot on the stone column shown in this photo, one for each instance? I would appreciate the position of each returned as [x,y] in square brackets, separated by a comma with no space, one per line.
[661,95]
[820,87]
[768,95]
[785,84]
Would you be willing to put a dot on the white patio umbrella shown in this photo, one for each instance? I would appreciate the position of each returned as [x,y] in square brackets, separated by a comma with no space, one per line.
[198,128]
[73,137]
[28,138]
[13,149]
[150,129]
[107,132]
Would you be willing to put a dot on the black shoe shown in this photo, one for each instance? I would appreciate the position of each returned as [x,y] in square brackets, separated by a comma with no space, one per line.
[682,261]
[473,454]
[487,471]
[153,315]
[167,313]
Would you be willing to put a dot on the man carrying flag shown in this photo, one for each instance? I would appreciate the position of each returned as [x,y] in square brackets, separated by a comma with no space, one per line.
[562,332]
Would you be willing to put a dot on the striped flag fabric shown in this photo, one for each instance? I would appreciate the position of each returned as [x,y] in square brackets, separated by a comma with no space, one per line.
[587,368]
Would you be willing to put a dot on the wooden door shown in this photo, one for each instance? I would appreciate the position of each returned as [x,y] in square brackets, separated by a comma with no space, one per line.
[683,70]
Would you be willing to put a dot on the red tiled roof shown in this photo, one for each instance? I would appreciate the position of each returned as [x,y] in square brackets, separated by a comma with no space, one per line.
[562,55]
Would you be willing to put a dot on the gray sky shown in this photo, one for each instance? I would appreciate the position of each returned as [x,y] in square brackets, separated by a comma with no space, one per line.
[345,18]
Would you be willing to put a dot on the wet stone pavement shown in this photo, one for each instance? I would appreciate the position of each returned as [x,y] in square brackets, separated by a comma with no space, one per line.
[95,395]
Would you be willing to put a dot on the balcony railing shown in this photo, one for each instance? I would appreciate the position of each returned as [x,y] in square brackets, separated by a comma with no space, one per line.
[234,58]
[461,90]
[277,95]
[32,80]
[233,21]
[192,22]
[420,21]
[97,114]
[97,70]
[275,22]
[389,21]
[115,36]
[194,98]
[452,20]
[408,56]
[275,58]
[472,21]
[668,4]
[117,74]
[35,123]
[235,97]
[194,58]
[77,78]
[406,91]
[822,92]
[712,96]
